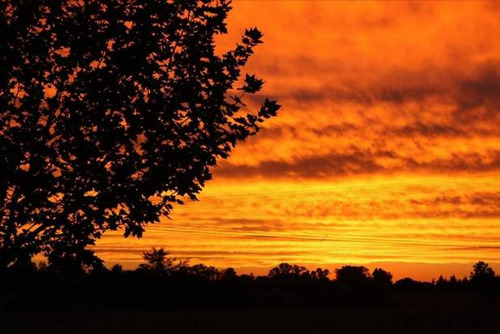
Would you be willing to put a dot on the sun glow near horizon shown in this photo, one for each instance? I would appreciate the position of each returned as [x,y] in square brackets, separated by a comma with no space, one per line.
[386,150]
[435,220]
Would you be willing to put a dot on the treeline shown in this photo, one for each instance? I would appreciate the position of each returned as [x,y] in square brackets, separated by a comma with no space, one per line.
[163,282]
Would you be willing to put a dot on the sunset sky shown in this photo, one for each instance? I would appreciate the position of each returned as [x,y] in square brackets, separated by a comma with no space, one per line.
[386,151]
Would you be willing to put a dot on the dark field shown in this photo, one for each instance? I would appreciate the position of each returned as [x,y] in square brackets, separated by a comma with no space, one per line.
[199,299]
[362,320]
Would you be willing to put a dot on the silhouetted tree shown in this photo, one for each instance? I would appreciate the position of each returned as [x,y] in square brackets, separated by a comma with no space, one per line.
[169,283]
[450,284]
[481,269]
[228,274]
[441,281]
[408,285]
[352,275]
[157,261]
[320,274]
[111,112]
[117,269]
[207,272]
[482,275]
[382,278]
[285,269]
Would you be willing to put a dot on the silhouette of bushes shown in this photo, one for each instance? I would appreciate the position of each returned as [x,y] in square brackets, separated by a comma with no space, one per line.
[168,283]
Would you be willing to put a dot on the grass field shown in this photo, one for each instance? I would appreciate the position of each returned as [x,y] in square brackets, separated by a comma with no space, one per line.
[366,320]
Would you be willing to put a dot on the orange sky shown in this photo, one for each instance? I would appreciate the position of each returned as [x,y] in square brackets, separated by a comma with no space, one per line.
[386,151]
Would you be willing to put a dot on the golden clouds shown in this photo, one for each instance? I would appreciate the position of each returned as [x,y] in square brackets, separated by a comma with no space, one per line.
[359,220]
[387,147]
[375,87]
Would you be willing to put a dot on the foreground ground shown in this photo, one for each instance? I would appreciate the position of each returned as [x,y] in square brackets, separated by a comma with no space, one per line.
[362,320]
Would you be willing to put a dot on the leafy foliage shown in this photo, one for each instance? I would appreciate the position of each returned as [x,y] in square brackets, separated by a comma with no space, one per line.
[111,112]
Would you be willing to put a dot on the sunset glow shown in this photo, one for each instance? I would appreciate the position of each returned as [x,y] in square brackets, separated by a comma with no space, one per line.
[386,151]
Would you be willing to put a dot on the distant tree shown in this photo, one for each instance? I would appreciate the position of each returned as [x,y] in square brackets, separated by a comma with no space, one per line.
[463,282]
[408,285]
[207,272]
[157,261]
[352,275]
[320,274]
[117,269]
[482,275]
[110,113]
[229,274]
[480,270]
[247,278]
[381,278]
[441,281]
[285,269]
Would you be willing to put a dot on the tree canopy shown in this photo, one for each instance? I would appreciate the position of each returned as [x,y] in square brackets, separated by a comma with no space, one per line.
[111,112]
[352,275]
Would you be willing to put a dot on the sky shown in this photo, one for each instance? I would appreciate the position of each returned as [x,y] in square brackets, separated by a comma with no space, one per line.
[386,152]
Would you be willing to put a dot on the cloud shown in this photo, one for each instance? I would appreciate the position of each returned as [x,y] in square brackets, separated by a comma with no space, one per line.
[357,162]
[387,146]
[312,167]
[411,115]
[383,88]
